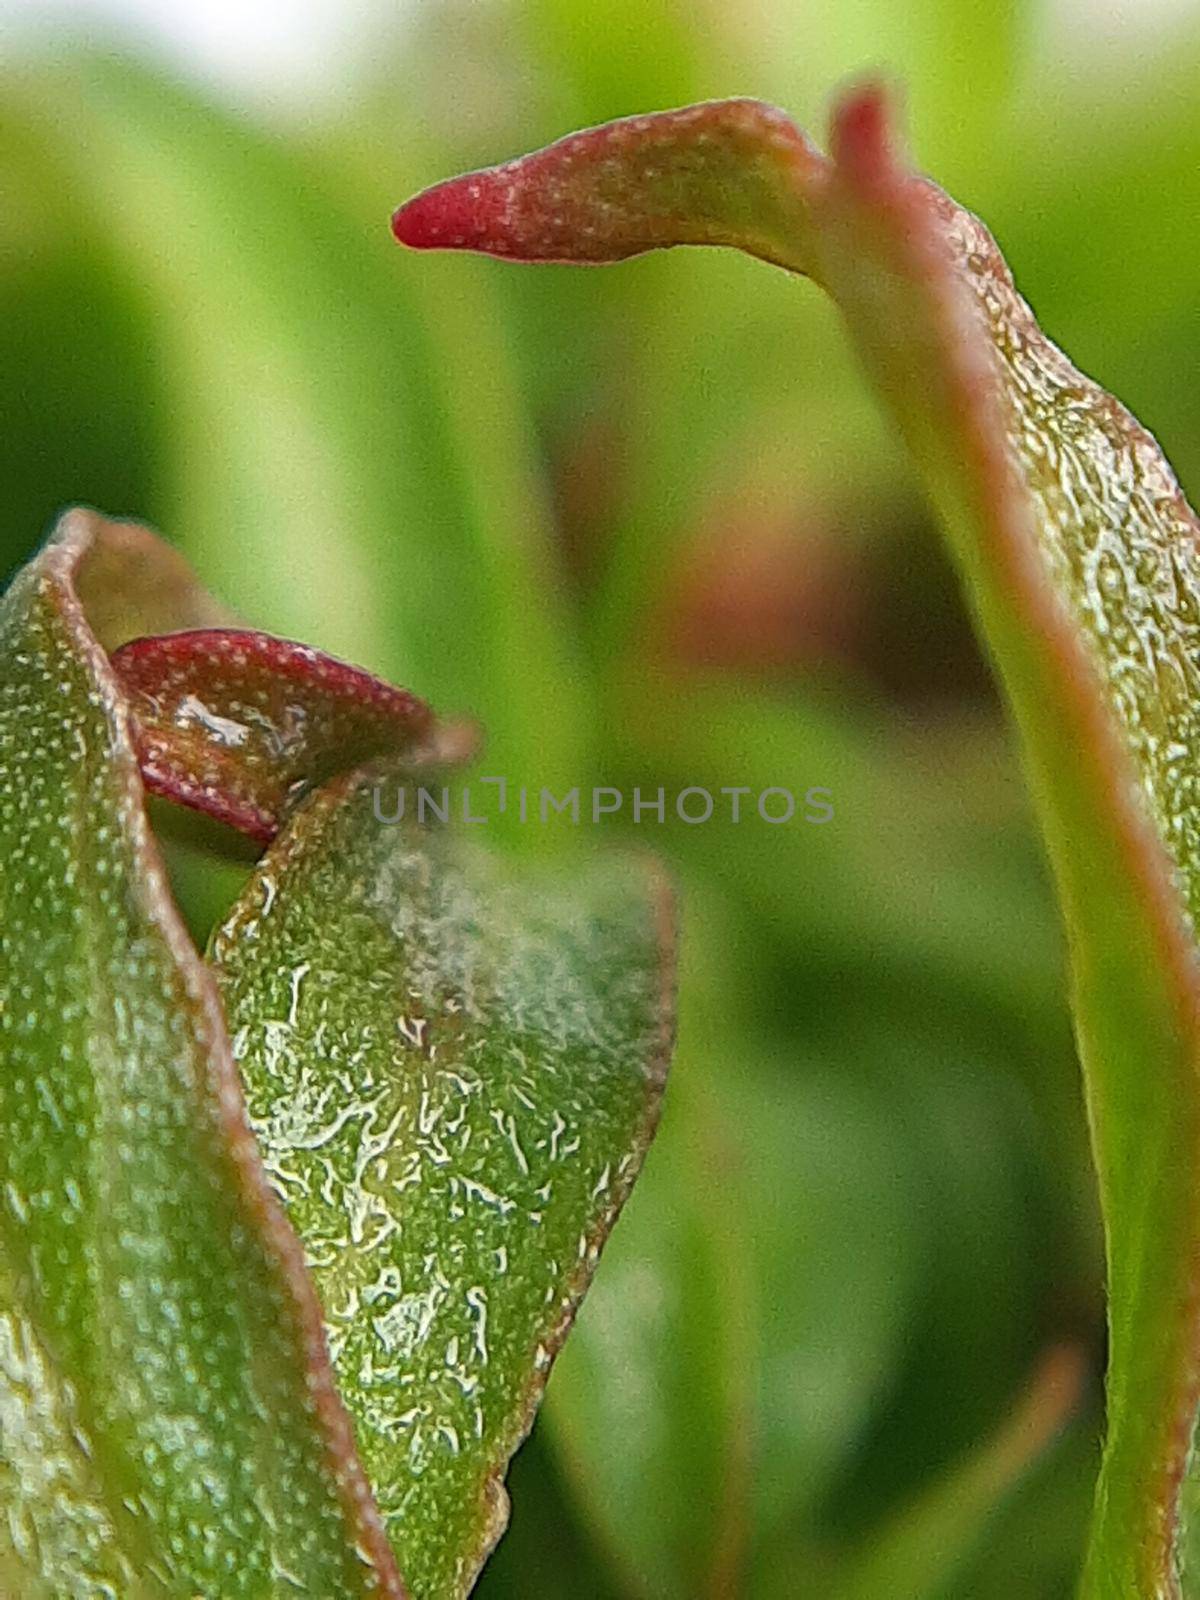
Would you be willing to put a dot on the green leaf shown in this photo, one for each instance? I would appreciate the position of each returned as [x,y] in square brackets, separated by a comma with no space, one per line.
[652,1410]
[455,1069]
[924,1547]
[713,1387]
[453,1072]
[1080,557]
[714,1396]
[169,1421]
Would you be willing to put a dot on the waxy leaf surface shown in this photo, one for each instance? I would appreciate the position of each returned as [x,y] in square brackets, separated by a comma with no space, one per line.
[453,1072]
[1083,564]
[454,1069]
[168,1422]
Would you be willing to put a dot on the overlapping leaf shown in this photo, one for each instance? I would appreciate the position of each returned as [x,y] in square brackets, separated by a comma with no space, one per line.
[1081,559]
[455,1071]
[169,1422]
[241,725]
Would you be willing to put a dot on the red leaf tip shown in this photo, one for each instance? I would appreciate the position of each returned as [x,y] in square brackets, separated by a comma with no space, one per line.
[861,141]
[628,186]
[241,725]
[462,213]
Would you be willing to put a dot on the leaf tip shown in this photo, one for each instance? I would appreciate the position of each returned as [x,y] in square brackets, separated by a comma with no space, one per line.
[862,136]
[637,184]
[462,213]
[241,726]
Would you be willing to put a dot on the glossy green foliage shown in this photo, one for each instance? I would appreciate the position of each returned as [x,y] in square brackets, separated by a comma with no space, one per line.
[454,1069]
[1080,554]
[203,320]
[168,1420]
[453,1072]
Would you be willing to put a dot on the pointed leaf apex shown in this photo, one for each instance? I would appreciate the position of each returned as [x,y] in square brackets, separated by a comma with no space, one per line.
[862,136]
[464,213]
[733,172]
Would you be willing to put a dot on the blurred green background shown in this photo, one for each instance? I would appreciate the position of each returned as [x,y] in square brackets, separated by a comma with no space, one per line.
[647,525]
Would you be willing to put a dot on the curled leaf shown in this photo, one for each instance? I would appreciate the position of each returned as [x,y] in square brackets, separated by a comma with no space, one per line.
[454,1068]
[1082,561]
[168,1420]
[241,726]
